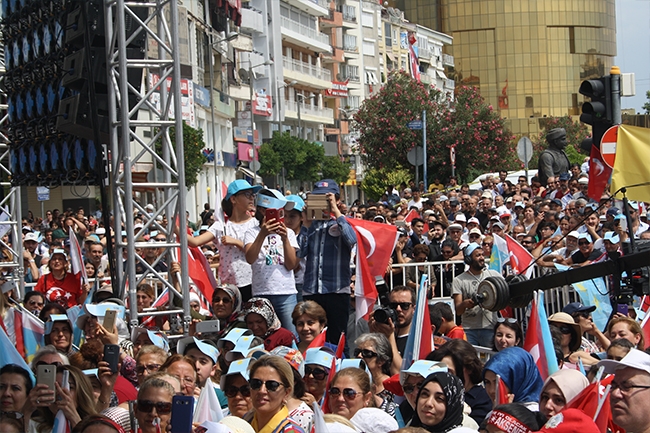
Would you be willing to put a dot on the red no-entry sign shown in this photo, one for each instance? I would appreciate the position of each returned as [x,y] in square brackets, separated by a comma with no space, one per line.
[608,145]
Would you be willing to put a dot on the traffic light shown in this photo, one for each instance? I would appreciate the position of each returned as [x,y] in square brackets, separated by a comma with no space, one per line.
[597,112]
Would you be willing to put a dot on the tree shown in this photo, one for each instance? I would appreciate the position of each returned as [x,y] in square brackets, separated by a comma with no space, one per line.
[301,159]
[575,133]
[478,134]
[334,168]
[646,106]
[193,146]
[375,181]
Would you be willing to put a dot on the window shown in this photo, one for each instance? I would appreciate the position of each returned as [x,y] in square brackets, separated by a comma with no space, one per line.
[389,40]
[349,43]
[369,48]
[350,72]
[366,19]
[353,102]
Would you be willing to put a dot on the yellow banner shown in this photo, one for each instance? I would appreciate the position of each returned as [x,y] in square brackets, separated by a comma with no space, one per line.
[631,167]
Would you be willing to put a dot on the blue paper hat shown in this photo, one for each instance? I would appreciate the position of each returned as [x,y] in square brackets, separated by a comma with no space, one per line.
[243,347]
[232,336]
[240,366]
[56,318]
[318,357]
[422,368]
[205,348]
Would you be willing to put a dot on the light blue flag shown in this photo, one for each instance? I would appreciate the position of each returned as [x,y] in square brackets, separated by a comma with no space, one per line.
[500,254]
[549,349]
[593,292]
[10,355]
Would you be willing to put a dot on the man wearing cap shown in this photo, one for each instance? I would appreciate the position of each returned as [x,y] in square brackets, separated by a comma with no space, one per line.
[562,193]
[562,254]
[553,161]
[585,254]
[582,316]
[60,279]
[328,252]
[630,393]
[638,226]
[477,322]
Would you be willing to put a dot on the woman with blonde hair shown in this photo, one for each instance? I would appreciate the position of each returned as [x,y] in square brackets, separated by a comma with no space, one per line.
[625,327]
[349,392]
[271,384]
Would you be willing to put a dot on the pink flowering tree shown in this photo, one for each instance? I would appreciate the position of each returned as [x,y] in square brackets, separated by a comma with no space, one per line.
[470,125]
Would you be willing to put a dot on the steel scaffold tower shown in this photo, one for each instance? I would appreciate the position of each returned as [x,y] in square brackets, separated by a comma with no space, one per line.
[126,21]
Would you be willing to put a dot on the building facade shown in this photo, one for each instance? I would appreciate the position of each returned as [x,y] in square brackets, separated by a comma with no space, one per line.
[527,57]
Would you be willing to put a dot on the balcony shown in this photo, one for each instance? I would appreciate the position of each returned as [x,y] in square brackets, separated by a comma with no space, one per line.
[308,113]
[304,36]
[224,106]
[335,19]
[252,20]
[319,8]
[447,60]
[306,73]
[335,57]
[425,53]
[350,44]
[349,15]
[450,84]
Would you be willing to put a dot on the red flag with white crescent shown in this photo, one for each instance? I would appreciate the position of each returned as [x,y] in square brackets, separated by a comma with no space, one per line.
[599,174]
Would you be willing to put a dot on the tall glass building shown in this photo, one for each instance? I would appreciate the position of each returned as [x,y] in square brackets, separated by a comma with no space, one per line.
[527,57]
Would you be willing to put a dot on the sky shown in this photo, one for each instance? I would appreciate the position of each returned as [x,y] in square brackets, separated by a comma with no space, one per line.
[633,47]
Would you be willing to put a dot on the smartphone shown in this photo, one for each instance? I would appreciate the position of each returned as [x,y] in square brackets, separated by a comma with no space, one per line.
[623,224]
[208,326]
[276,214]
[112,356]
[109,320]
[182,413]
[622,308]
[46,375]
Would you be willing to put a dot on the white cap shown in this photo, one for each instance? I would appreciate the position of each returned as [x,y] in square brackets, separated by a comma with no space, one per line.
[473,220]
[573,234]
[635,358]
[460,217]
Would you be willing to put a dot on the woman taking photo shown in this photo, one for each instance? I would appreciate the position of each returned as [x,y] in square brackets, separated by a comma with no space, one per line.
[310,319]
[238,205]
[76,403]
[261,320]
[624,327]
[349,392]
[439,405]
[15,385]
[226,305]
[271,383]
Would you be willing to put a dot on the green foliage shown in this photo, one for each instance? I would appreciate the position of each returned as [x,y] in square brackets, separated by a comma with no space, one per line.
[193,146]
[479,135]
[376,181]
[302,159]
[334,168]
[646,106]
[575,133]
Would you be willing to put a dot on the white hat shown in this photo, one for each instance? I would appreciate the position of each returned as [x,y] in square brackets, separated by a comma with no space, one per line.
[635,358]
[100,231]
[573,234]
[473,220]
[31,236]
[583,181]
[455,227]
[372,419]
[475,231]
[443,198]
[149,207]
[460,217]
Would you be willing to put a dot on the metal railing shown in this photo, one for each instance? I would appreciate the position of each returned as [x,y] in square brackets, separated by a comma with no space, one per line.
[303,30]
[306,68]
[306,109]
[349,13]
[350,43]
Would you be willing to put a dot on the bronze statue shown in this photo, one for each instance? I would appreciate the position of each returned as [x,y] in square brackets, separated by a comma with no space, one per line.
[553,161]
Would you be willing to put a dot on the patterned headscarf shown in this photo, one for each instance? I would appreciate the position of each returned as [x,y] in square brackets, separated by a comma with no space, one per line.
[264,308]
[454,392]
[519,372]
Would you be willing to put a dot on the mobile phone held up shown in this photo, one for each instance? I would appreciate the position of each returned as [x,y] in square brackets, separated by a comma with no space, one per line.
[182,413]
[112,356]
[275,214]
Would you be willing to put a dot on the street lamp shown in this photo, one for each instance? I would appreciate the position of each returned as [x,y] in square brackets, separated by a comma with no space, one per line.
[279,99]
[250,88]
[301,98]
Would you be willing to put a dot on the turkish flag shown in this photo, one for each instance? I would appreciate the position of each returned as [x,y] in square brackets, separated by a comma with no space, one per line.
[375,244]
[533,343]
[520,258]
[411,215]
[200,272]
[645,326]
[599,174]
[587,401]
[502,392]
[319,340]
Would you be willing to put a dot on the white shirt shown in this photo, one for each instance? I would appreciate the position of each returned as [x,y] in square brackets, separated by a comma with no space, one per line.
[270,276]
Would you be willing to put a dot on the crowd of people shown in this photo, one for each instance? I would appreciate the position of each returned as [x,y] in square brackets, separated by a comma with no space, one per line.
[267,346]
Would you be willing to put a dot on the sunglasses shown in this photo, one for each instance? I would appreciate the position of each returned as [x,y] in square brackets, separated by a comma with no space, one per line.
[486,244]
[403,305]
[250,304]
[348,393]
[585,315]
[232,391]
[409,388]
[218,300]
[151,368]
[565,330]
[506,320]
[581,243]
[271,385]
[11,414]
[162,407]
[318,373]
[365,353]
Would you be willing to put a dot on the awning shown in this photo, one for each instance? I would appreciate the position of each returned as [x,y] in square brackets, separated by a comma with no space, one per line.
[441,74]
[371,78]
[249,173]
[391,57]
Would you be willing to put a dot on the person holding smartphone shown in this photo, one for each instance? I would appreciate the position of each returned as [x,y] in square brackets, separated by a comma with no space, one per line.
[271,251]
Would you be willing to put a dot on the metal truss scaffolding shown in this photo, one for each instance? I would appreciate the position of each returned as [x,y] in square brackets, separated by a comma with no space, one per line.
[142,132]
[10,200]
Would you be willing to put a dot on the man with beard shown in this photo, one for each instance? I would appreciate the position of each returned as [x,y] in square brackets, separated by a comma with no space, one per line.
[402,301]
[477,322]
[436,235]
